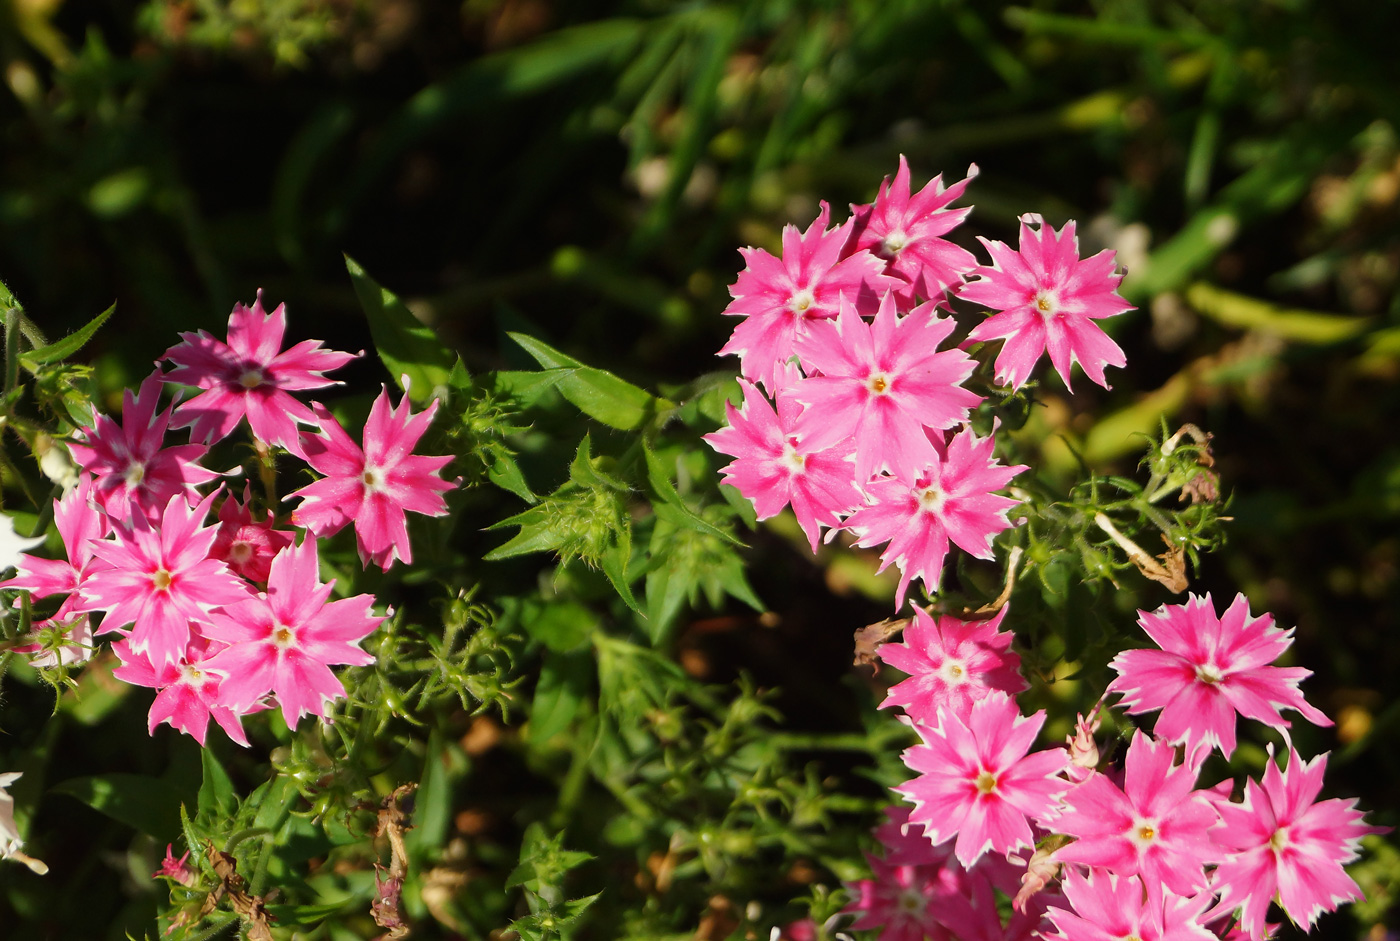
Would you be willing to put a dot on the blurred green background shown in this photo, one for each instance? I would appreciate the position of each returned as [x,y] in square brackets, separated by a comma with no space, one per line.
[584,171]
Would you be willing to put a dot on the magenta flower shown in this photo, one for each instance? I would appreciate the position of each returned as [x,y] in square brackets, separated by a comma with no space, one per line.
[127,459]
[906,231]
[188,690]
[898,901]
[159,579]
[1208,669]
[285,640]
[79,525]
[176,869]
[882,384]
[1282,841]
[951,499]
[249,376]
[1048,300]
[774,469]
[781,298]
[1107,906]
[976,781]
[1156,827]
[248,545]
[951,664]
[372,487]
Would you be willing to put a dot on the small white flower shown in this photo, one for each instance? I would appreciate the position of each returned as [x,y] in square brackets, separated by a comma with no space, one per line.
[10,841]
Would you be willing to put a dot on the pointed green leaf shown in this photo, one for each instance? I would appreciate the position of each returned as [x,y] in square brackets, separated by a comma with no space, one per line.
[559,695]
[614,564]
[683,515]
[62,349]
[406,345]
[596,392]
[148,805]
[502,471]
[216,794]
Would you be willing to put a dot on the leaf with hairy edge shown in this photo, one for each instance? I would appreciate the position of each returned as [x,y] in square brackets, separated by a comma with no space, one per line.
[62,349]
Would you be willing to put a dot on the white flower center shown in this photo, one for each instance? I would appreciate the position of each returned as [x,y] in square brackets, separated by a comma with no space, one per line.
[192,675]
[802,301]
[1144,832]
[1209,674]
[895,242]
[954,672]
[240,552]
[1047,302]
[931,498]
[986,782]
[135,473]
[284,636]
[794,462]
[911,901]
[879,383]
[1280,841]
[251,378]
[373,478]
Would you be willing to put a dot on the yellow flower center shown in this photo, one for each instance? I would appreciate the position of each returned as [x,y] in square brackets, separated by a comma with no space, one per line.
[135,473]
[251,378]
[878,384]
[986,782]
[802,301]
[161,579]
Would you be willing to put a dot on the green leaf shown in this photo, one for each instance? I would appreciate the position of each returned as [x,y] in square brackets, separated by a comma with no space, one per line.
[216,794]
[562,626]
[305,916]
[614,565]
[502,471]
[596,392]
[148,805]
[406,345]
[585,474]
[536,535]
[62,349]
[684,516]
[559,695]
[432,804]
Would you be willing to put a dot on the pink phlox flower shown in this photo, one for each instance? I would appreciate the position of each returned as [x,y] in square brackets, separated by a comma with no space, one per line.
[249,375]
[1156,826]
[882,384]
[1083,750]
[187,689]
[73,645]
[1110,906]
[951,499]
[1048,298]
[160,579]
[79,524]
[781,297]
[373,487]
[951,664]
[974,915]
[977,781]
[176,869]
[1208,669]
[285,640]
[774,469]
[906,231]
[245,544]
[130,466]
[905,843]
[899,902]
[1281,841]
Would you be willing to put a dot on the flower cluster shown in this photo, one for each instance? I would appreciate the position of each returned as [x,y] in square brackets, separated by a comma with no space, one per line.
[867,428]
[227,615]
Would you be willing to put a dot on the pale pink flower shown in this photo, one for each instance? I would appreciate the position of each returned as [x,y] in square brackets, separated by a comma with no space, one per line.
[781,297]
[72,641]
[248,545]
[1283,842]
[918,513]
[1083,750]
[774,468]
[1110,906]
[1049,300]
[127,459]
[976,781]
[79,525]
[1155,827]
[285,640]
[951,664]
[906,231]
[1208,669]
[159,579]
[373,487]
[882,384]
[188,690]
[249,375]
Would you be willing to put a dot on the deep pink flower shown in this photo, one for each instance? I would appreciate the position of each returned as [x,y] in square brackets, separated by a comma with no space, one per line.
[906,231]
[188,690]
[919,513]
[79,525]
[1208,669]
[176,869]
[127,459]
[976,781]
[1282,841]
[882,384]
[374,486]
[781,297]
[285,640]
[245,544]
[1049,299]
[1108,906]
[1156,827]
[951,664]
[899,902]
[249,375]
[774,469]
[159,579]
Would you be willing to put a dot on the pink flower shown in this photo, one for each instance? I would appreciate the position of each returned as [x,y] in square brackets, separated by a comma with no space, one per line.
[1282,841]
[372,487]
[951,664]
[1156,827]
[1108,906]
[918,513]
[1049,299]
[882,384]
[774,469]
[176,869]
[127,459]
[285,640]
[248,376]
[906,231]
[976,781]
[79,525]
[1208,669]
[899,902]
[781,298]
[188,690]
[71,643]
[159,579]
[246,545]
